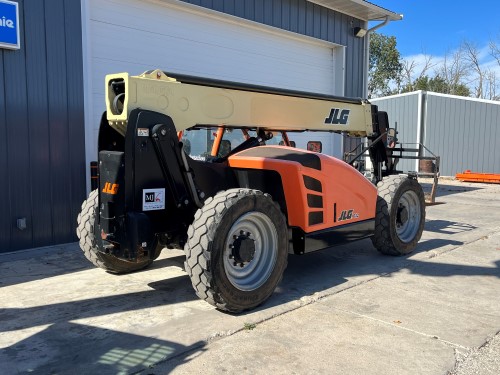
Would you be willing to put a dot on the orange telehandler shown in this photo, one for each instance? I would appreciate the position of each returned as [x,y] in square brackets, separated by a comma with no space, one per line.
[206,166]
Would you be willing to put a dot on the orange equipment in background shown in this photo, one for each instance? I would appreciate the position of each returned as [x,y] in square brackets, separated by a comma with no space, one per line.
[469,176]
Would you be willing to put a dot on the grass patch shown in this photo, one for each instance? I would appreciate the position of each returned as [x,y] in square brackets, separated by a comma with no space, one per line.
[249,326]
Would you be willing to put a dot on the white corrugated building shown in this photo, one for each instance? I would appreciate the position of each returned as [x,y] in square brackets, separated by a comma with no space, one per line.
[464,132]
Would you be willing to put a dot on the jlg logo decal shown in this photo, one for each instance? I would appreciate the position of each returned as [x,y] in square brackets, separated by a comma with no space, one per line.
[110,188]
[347,215]
[338,116]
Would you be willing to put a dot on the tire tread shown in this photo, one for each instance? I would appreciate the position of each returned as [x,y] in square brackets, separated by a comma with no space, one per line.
[84,232]
[198,246]
[382,239]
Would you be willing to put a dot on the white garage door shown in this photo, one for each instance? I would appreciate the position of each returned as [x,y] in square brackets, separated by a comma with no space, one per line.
[134,36]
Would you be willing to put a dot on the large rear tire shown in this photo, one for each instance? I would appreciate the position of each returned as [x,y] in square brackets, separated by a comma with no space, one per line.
[400,216]
[85,233]
[237,249]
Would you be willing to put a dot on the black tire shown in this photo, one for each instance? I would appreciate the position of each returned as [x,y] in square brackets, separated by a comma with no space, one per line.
[85,233]
[400,216]
[248,226]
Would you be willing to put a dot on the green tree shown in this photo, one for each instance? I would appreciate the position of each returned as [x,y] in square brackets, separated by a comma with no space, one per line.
[437,84]
[460,90]
[385,70]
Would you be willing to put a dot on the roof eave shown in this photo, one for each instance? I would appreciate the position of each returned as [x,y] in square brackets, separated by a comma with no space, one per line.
[360,9]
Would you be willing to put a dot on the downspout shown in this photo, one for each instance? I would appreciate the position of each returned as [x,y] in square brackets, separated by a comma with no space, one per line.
[367,54]
[368,164]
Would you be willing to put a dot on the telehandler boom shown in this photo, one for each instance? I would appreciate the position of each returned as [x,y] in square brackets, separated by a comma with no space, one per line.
[206,166]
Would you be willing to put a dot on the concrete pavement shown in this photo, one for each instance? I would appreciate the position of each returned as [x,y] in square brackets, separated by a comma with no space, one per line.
[347,310]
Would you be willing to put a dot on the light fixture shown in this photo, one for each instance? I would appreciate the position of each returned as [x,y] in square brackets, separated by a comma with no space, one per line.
[359,32]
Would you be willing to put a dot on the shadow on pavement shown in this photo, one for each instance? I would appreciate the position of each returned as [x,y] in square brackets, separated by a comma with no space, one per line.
[435,243]
[333,267]
[167,262]
[33,266]
[169,291]
[448,269]
[103,351]
[94,351]
[447,227]
[444,190]
[58,263]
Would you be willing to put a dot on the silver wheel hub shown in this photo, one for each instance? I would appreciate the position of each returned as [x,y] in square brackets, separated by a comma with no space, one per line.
[250,252]
[408,216]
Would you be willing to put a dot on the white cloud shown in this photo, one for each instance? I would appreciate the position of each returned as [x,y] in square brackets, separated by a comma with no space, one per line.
[487,63]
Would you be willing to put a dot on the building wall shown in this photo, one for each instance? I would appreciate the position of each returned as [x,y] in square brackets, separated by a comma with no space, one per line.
[303,17]
[42,158]
[42,131]
[403,112]
[464,132]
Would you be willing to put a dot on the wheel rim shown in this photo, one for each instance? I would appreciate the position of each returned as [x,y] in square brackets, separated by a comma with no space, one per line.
[251,274]
[408,216]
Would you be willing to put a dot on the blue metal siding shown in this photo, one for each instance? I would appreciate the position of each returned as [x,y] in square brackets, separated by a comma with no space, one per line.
[58,120]
[36,56]
[42,127]
[303,17]
[5,217]
[75,107]
[18,153]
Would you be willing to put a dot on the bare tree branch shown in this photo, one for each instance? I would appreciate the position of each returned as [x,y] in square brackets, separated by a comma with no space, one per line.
[491,85]
[409,77]
[495,50]
[472,56]
[454,70]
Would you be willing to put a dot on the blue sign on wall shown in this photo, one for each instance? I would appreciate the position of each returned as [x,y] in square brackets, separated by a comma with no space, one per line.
[9,25]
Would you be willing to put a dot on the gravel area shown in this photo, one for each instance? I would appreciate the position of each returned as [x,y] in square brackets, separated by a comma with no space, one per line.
[484,360]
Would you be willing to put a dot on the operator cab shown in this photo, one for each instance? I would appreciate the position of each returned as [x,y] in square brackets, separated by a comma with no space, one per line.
[216,144]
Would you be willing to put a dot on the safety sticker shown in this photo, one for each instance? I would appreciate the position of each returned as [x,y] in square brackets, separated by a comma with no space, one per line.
[142,132]
[153,199]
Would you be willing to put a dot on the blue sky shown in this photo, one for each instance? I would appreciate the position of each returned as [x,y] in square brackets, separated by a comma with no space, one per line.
[437,27]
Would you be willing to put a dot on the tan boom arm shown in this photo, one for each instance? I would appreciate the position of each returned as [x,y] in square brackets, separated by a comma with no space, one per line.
[193,104]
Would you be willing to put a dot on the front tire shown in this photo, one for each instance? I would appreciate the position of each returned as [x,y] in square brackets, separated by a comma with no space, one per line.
[85,233]
[237,249]
[400,216]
